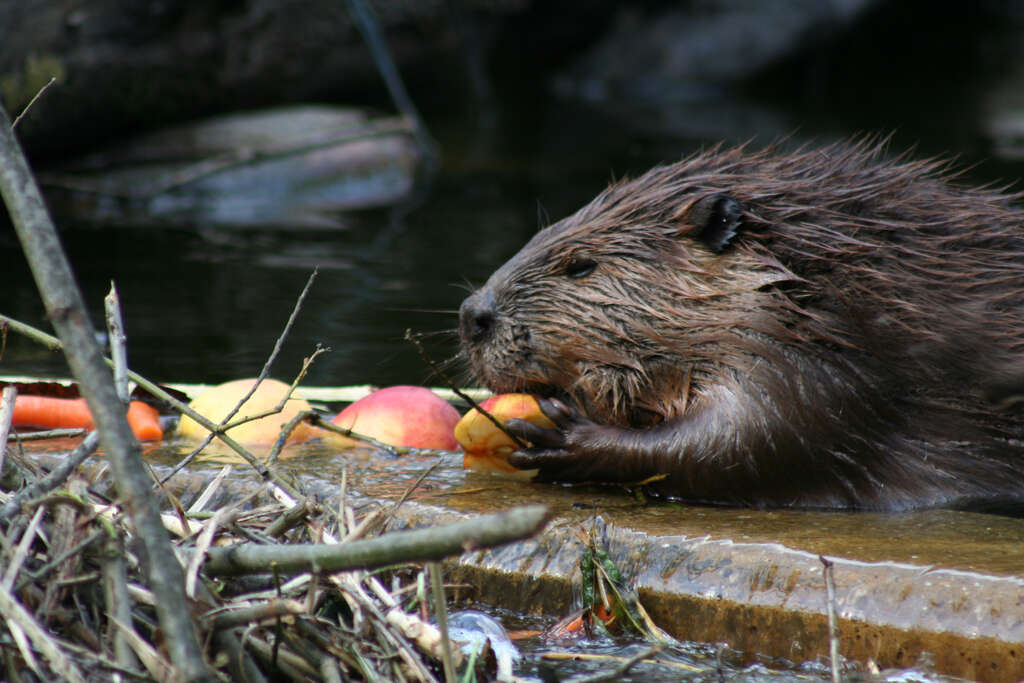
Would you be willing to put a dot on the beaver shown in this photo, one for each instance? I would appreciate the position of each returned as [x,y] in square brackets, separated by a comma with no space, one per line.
[828,327]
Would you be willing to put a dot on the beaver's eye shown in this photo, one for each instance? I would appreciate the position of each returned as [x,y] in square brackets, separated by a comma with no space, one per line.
[579,267]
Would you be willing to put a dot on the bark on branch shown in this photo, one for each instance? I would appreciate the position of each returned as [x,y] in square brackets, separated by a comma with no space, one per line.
[421,545]
[67,313]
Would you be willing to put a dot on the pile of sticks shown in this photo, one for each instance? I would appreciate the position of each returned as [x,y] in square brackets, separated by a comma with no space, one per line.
[262,585]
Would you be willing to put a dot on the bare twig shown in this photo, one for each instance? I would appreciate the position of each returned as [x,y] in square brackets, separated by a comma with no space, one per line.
[318,420]
[225,424]
[203,543]
[436,369]
[615,675]
[118,602]
[441,614]
[833,620]
[158,667]
[38,336]
[67,313]
[285,433]
[363,528]
[10,394]
[70,433]
[621,670]
[21,551]
[16,615]
[407,626]
[275,607]
[207,494]
[291,518]
[366,21]
[306,364]
[412,487]
[54,479]
[118,350]
[155,390]
[291,664]
[28,106]
[41,572]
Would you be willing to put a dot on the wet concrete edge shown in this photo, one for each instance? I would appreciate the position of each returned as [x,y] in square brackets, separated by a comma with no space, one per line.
[760,598]
[766,598]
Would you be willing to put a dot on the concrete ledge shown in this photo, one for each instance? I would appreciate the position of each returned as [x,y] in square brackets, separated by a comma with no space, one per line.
[941,582]
[769,599]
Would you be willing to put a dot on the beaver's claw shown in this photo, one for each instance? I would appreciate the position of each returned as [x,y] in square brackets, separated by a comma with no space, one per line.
[551,447]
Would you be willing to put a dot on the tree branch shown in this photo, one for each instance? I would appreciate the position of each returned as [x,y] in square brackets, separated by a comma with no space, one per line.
[67,313]
[421,545]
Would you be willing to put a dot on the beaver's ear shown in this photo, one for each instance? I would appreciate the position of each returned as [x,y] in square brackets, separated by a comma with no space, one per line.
[716,220]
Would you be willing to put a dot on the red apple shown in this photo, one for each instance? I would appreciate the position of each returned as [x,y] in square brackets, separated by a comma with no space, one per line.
[400,416]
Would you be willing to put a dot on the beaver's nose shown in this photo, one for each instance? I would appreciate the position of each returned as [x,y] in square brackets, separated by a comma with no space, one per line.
[477,317]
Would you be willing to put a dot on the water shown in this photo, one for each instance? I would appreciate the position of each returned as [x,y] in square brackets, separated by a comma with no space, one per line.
[206,305]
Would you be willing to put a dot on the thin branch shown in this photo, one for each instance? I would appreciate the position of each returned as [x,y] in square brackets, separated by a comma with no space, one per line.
[28,106]
[117,600]
[219,430]
[621,670]
[833,620]
[17,559]
[67,312]
[443,376]
[38,336]
[288,326]
[156,391]
[287,396]
[366,22]
[69,433]
[55,478]
[13,613]
[118,351]
[588,657]
[7,399]
[40,573]
[275,607]
[441,614]
[318,420]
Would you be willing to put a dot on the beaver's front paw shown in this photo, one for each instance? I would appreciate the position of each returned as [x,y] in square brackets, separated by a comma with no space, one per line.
[557,452]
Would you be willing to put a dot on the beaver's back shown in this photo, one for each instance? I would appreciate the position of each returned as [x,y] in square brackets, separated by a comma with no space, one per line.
[849,312]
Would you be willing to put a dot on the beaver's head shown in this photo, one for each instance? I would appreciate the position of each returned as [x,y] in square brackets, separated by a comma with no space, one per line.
[627,306]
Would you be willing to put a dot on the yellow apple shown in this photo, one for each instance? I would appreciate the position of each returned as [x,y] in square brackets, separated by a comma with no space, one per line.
[487,447]
[216,402]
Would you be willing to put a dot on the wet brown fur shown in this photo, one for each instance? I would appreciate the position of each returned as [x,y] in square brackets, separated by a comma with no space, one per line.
[834,354]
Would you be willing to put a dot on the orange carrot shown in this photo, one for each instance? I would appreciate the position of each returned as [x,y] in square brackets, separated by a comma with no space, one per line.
[46,412]
[144,421]
[603,614]
[52,413]
[569,626]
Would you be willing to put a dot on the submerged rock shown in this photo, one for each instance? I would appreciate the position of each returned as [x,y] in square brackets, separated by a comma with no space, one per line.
[291,167]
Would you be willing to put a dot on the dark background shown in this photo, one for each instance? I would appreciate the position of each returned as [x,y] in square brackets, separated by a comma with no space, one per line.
[535,107]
